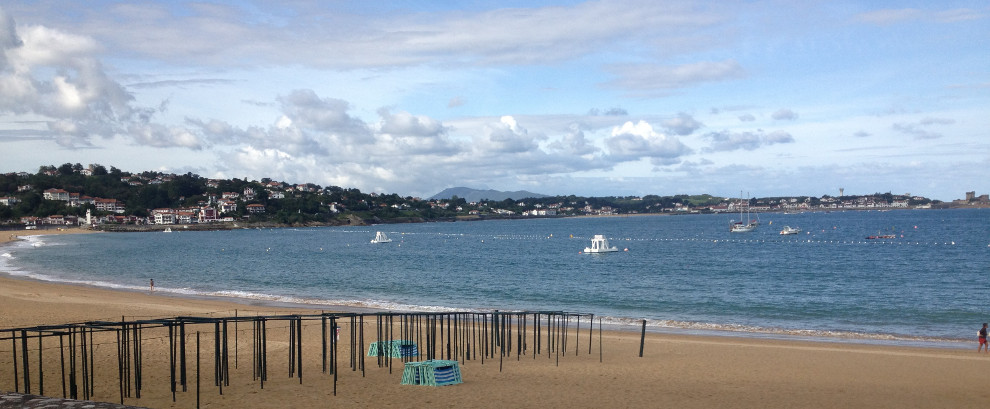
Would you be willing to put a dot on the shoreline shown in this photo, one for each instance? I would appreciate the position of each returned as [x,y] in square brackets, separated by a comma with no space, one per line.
[623,325]
[8,236]
[125,228]
[676,370]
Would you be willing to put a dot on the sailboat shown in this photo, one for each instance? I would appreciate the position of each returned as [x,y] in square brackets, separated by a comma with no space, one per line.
[742,226]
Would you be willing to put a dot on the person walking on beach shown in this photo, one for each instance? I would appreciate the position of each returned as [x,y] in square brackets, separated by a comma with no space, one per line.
[153,290]
[983,340]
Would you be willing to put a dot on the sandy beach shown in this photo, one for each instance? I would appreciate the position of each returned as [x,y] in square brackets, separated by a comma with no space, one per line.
[7,236]
[676,371]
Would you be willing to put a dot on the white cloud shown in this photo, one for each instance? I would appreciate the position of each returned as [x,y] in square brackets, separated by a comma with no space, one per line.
[310,112]
[314,35]
[730,141]
[922,128]
[961,14]
[56,76]
[889,16]
[936,121]
[775,137]
[406,124]
[574,143]
[608,112]
[157,135]
[403,133]
[631,142]
[8,37]
[683,124]
[784,114]
[894,16]
[649,78]
[747,118]
[506,136]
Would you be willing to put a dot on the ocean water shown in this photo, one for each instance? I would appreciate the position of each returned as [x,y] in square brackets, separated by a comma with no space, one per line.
[928,285]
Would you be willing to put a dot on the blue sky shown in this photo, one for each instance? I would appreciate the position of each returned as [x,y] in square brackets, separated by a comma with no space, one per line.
[588,98]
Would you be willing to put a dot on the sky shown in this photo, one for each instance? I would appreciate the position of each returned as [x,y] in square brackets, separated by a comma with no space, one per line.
[611,98]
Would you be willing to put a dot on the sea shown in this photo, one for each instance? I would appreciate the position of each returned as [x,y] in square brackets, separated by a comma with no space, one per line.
[929,285]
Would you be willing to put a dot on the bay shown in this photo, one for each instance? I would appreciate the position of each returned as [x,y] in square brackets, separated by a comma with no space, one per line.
[680,273]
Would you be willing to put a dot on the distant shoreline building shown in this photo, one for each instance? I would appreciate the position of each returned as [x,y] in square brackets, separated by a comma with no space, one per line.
[973,200]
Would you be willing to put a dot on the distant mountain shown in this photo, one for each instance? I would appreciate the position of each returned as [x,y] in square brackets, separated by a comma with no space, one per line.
[475,195]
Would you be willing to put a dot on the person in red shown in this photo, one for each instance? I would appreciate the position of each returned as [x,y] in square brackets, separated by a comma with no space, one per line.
[983,340]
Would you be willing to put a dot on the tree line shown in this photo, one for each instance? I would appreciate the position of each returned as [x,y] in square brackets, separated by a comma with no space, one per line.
[302,204]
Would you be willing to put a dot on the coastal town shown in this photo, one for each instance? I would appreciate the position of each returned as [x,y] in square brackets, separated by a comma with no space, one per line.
[95,197]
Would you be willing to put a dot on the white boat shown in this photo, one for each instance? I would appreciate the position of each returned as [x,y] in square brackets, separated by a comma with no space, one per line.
[742,226]
[168,230]
[381,238]
[599,244]
[790,230]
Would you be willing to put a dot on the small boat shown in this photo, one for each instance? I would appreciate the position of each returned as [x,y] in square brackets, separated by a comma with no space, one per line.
[743,227]
[740,227]
[882,236]
[790,230]
[599,244]
[168,230]
[381,238]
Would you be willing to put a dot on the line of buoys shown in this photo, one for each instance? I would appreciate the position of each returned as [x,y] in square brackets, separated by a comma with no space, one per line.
[802,240]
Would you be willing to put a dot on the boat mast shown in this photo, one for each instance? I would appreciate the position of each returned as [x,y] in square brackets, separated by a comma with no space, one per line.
[744,221]
[749,219]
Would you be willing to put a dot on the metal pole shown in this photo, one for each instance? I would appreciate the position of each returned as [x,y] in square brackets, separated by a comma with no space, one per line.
[642,339]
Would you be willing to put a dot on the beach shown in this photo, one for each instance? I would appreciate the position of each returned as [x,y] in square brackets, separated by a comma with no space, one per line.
[7,236]
[675,371]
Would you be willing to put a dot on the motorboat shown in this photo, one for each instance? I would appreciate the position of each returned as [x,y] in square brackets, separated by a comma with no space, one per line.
[599,244]
[380,237]
[790,230]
